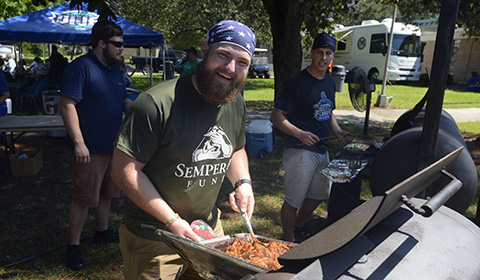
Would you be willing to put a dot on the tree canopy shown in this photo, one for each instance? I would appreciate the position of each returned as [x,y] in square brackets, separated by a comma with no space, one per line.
[185,23]
[379,10]
[19,7]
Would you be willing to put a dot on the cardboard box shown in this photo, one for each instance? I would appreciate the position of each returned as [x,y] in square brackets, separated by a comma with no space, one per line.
[26,166]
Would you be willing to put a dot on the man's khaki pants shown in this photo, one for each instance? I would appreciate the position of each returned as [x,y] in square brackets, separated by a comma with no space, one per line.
[147,259]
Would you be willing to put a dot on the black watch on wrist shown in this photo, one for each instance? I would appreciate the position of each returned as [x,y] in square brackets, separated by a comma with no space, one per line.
[242,181]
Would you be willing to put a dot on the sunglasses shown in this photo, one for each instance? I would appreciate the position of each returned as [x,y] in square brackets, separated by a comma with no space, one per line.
[116,43]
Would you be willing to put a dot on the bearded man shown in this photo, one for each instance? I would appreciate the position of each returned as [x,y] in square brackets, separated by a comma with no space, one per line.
[93,97]
[175,147]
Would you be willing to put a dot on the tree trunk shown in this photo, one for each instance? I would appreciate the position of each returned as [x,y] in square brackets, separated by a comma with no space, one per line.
[286,22]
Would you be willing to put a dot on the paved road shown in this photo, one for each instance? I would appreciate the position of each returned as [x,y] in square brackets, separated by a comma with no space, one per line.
[380,115]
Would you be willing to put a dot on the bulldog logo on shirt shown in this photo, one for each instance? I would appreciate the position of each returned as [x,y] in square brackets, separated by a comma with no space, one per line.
[214,145]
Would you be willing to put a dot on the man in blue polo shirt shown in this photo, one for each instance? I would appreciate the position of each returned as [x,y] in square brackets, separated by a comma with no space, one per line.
[4,91]
[93,97]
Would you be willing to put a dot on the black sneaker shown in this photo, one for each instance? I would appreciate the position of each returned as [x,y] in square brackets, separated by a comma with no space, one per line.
[106,236]
[74,259]
[301,234]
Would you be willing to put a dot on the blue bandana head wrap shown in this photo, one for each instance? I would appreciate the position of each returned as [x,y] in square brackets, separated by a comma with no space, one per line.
[232,32]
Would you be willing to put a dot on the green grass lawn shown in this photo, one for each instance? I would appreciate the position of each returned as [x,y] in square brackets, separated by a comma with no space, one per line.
[404,97]
[259,95]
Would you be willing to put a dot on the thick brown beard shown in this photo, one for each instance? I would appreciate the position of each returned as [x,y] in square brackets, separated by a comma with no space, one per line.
[111,59]
[211,90]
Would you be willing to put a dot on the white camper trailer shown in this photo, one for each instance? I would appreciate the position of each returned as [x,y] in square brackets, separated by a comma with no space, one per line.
[366,46]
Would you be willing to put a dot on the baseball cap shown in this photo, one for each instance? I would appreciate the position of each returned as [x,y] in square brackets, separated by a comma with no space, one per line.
[191,49]
[324,40]
[232,32]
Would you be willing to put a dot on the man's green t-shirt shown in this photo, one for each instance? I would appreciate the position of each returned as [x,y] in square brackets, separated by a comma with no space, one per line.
[186,144]
[188,67]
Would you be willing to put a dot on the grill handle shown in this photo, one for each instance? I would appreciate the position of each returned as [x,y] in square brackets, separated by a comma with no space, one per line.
[432,205]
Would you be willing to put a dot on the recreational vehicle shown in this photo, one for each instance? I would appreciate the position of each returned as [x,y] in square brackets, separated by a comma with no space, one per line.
[366,46]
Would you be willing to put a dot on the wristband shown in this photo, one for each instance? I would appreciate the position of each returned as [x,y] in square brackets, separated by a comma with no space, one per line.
[172,219]
[243,181]
[176,219]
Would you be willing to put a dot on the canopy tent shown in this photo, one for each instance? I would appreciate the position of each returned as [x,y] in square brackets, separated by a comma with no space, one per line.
[64,25]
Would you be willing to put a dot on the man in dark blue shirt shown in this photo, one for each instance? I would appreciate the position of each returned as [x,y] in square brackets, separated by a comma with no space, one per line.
[4,91]
[304,112]
[93,97]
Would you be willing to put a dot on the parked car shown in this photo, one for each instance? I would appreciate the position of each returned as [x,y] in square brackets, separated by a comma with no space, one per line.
[140,62]
[6,49]
[259,68]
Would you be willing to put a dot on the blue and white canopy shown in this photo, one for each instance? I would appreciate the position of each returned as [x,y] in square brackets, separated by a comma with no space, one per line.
[64,25]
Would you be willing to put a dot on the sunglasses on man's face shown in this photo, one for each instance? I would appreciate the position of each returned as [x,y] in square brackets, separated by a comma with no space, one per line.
[117,44]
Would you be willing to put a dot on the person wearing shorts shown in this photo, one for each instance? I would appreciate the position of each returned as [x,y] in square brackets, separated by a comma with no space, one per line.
[93,98]
[304,112]
[303,171]
[90,181]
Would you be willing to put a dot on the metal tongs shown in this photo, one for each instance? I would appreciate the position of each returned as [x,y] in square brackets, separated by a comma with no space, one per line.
[246,219]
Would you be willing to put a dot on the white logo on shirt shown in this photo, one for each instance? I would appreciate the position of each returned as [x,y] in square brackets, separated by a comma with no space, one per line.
[214,145]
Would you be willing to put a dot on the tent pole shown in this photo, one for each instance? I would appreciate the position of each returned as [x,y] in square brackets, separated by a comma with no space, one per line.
[382,98]
[151,66]
[163,54]
[20,55]
[73,52]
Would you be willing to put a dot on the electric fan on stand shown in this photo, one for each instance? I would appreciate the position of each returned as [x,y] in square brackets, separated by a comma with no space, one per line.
[360,89]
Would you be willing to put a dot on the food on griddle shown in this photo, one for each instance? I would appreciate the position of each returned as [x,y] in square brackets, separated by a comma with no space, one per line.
[356,147]
[338,170]
[343,170]
[263,254]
